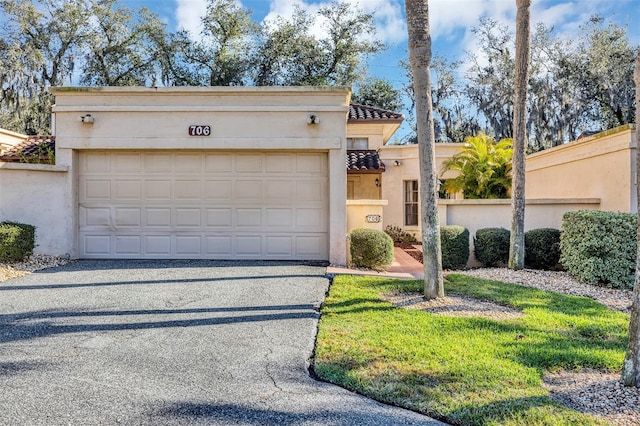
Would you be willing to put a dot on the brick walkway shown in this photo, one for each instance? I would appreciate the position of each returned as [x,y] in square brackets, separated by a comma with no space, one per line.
[403,266]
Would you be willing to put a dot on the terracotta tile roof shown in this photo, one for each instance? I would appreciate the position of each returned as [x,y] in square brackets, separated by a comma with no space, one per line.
[33,145]
[364,161]
[359,112]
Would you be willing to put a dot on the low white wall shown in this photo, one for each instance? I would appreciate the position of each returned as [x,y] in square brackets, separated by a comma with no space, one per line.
[478,214]
[38,195]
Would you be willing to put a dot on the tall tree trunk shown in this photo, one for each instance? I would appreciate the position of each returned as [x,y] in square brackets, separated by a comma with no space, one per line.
[420,58]
[523,31]
[631,367]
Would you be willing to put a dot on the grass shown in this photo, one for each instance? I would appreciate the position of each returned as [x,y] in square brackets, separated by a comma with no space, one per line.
[465,371]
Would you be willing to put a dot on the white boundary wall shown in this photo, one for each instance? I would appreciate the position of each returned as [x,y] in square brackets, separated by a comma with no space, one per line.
[40,195]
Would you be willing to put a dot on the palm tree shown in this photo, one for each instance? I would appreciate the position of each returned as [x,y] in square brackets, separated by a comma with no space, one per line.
[523,35]
[483,166]
[420,59]
[631,367]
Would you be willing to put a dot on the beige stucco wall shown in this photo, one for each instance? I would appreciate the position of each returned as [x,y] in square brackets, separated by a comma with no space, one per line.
[408,169]
[363,186]
[601,166]
[256,118]
[365,214]
[477,214]
[39,195]
[598,167]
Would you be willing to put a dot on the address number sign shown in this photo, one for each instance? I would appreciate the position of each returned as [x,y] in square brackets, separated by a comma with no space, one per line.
[199,130]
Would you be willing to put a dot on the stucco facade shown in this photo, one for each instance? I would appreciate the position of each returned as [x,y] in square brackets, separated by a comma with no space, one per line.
[402,165]
[601,166]
[268,134]
[269,144]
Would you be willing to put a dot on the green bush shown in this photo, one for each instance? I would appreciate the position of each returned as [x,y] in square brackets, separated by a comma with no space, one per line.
[370,248]
[17,241]
[492,246]
[399,236]
[600,247]
[454,241]
[542,248]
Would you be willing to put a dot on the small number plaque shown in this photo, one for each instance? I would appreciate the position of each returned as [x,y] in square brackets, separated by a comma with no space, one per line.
[199,130]
[373,218]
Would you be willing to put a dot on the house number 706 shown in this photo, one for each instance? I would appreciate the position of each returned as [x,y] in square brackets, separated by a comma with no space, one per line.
[197,130]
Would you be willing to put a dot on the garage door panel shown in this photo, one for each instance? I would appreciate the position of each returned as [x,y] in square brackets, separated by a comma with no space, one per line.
[249,246]
[128,189]
[188,218]
[188,163]
[278,190]
[218,218]
[218,246]
[95,162]
[281,246]
[311,219]
[94,217]
[124,163]
[96,245]
[221,205]
[311,191]
[218,190]
[158,217]
[218,163]
[129,216]
[127,245]
[248,190]
[281,218]
[157,190]
[188,190]
[311,246]
[157,245]
[96,190]
[188,245]
[248,163]
[312,163]
[248,218]
[280,163]
[157,163]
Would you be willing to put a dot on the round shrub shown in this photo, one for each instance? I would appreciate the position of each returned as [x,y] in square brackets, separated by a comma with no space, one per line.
[17,241]
[492,246]
[454,241]
[370,248]
[542,248]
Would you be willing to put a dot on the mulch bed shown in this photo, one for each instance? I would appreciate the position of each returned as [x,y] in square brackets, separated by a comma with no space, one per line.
[411,250]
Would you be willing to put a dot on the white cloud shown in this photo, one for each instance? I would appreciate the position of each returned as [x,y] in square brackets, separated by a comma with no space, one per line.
[189,14]
[389,18]
[287,8]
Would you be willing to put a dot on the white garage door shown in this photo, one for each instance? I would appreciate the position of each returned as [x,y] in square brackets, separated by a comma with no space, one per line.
[203,205]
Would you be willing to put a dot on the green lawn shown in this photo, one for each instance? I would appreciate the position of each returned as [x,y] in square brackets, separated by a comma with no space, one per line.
[465,371]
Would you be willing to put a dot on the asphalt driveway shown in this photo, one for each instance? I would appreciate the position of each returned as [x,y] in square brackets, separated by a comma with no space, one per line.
[171,342]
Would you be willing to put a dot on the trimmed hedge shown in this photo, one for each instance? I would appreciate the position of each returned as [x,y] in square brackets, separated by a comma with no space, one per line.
[17,241]
[492,246]
[370,248]
[600,247]
[542,248]
[454,241]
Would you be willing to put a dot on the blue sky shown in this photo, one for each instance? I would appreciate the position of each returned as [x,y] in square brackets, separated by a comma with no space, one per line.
[451,21]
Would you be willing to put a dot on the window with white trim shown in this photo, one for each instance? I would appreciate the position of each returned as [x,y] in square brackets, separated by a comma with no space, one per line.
[411,203]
